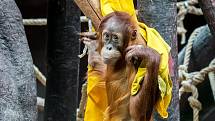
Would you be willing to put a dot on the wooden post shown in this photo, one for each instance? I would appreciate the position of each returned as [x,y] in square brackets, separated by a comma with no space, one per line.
[63,62]
[161,14]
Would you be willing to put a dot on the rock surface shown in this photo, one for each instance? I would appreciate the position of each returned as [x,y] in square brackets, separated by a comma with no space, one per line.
[17,82]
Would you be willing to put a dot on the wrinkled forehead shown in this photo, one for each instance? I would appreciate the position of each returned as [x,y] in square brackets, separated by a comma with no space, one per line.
[114,25]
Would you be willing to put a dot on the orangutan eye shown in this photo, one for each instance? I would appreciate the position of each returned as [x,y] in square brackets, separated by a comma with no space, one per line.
[106,36]
[115,37]
[134,35]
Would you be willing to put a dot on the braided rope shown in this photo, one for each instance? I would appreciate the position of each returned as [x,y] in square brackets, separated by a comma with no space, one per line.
[39,76]
[43,21]
[40,104]
[185,7]
[189,2]
[190,45]
[211,76]
[84,52]
[183,68]
[190,80]
[189,85]
[193,99]
[38,22]
[42,79]
[180,25]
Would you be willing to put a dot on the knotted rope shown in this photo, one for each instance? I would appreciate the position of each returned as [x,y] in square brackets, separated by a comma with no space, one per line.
[190,80]
[184,8]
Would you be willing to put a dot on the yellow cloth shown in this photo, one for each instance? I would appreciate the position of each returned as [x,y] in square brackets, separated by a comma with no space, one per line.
[155,41]
[97,99]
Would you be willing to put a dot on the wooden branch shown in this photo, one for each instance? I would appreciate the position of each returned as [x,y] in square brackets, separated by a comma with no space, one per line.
[91,9]
[208,8]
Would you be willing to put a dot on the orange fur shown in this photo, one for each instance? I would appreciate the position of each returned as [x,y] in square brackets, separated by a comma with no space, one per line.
[121,105]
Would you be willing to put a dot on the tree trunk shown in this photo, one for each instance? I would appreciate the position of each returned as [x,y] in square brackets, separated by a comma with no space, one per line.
[208,8]
[162,16]
[63,62]
[17,82]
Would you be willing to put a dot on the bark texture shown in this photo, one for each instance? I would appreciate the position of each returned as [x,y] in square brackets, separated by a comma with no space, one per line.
[17,82]
[208,8]
[63,62]
[162,16]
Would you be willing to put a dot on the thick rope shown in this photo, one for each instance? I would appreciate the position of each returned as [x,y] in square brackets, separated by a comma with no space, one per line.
[84,52]
[190,45]
[190,80]
[40,104]
[43,21]
[189,85]
[193,99]
[185,7]
[211,76]
[195,78]
[183,68]
[41,78]
[38,22]
[189,2]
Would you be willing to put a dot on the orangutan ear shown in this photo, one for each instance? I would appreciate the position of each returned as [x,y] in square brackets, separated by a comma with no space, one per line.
[134,34]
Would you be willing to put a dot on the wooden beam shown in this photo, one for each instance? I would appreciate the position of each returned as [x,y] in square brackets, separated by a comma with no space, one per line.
[91,9]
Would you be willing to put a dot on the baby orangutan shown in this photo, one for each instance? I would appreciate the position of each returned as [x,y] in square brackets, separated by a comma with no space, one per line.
[117,53]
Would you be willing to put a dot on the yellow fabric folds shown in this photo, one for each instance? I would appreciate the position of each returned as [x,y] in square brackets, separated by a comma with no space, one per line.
[97,99]
[109,6]
[137,81]
[155,41]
